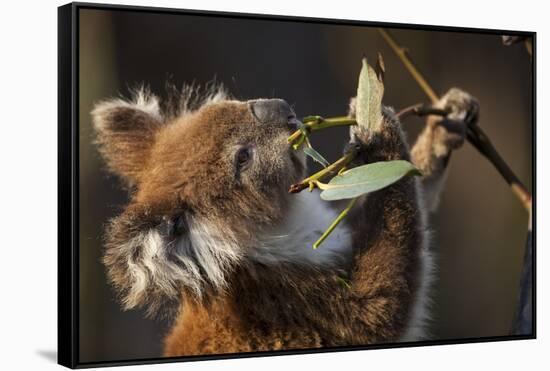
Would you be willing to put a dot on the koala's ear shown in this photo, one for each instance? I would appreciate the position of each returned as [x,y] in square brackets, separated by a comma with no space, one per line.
[149,259]
[126,131]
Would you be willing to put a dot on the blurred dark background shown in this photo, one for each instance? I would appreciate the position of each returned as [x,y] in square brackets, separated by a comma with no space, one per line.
[480,229]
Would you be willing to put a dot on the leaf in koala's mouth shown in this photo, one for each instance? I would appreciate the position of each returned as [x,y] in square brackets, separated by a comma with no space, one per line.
[366,179]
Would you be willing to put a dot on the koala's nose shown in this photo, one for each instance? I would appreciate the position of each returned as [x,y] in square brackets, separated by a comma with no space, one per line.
[274,111]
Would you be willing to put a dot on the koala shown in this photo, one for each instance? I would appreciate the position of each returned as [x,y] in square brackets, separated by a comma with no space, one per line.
[212,238]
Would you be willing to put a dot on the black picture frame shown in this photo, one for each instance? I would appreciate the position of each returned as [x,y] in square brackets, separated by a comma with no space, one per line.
[68,182]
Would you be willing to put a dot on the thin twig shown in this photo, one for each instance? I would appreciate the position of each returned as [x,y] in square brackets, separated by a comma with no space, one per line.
[336,221]
[420,110]
[475,134]
[314,123]
[403,55]
[332,169]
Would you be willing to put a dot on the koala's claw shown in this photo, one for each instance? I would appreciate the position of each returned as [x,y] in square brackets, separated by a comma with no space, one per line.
[450,134]
[354,145]
[460,105]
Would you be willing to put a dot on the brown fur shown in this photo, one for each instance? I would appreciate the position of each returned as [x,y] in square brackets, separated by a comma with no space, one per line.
[183,173]
[286,307]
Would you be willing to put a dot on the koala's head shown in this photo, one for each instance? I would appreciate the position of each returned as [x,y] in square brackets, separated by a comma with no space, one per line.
[203,181]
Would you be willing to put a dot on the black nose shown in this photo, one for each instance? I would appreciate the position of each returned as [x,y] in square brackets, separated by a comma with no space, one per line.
[273,111]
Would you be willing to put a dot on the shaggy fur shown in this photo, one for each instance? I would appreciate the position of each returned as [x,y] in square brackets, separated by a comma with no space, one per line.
[224,245]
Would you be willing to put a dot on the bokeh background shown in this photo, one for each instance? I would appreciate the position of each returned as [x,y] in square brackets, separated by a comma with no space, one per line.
[480,229]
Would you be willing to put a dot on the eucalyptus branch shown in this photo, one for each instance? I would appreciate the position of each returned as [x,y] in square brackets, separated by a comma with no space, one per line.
[475,134]
[481,142]
[314,123]
[403,54]
[333,169]
[335,223]
[420,110]
[515,39]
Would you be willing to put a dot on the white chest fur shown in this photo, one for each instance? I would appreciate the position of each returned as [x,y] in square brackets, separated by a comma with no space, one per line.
[293,238]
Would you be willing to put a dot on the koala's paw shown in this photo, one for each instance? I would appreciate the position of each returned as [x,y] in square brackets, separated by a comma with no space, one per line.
[386,143]
[461,106]
[449,133]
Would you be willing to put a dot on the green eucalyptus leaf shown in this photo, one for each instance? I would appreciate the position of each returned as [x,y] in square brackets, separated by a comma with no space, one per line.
[370,91]
[367,178]
[316,156]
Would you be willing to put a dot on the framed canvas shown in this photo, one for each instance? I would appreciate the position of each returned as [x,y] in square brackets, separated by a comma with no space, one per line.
[237,185]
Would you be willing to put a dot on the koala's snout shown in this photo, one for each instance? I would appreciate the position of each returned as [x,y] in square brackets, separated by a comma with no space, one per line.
[274,112]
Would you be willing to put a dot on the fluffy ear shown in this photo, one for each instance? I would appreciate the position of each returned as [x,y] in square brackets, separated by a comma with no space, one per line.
[125,132]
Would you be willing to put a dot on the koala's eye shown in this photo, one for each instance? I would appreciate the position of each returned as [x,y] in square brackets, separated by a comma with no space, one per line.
[243,157]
